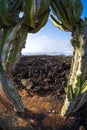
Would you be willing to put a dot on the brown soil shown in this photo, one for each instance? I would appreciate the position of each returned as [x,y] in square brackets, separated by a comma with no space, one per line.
[41,82]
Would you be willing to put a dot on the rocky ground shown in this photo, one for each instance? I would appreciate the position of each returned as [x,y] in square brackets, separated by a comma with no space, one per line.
[41,81]
[42,74]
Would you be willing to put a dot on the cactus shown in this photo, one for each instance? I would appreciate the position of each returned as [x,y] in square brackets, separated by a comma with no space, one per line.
[13,32]
[68,13]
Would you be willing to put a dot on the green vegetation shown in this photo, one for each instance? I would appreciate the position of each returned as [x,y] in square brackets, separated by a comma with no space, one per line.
[68,18]
[13,32]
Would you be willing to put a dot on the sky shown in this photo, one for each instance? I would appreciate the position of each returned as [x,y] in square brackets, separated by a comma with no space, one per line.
[50,40]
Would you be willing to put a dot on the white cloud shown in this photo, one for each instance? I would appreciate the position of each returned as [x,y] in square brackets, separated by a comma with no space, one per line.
[46,45]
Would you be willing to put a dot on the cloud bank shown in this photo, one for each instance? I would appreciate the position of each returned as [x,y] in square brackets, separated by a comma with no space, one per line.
[43,44]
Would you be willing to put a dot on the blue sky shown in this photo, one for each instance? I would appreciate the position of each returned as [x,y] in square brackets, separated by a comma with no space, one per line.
[50,40]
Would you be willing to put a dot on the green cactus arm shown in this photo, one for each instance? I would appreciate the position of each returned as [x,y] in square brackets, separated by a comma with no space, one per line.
[42,21]
[45,4]
[64,9]
[15,30]
[58,24]
[29,11]
[3,11]
[78,77]
[61,14]
[76,94]
[10,90]
[34,11]
[13,43]
[5,34]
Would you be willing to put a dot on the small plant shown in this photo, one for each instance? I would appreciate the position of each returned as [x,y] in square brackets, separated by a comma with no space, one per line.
[68,14]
